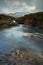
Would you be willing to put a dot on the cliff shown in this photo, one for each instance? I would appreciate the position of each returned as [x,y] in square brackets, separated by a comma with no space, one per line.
[36,18]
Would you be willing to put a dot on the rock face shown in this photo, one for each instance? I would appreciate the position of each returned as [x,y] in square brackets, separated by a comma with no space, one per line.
[6,21]
[36,18]
[27,22]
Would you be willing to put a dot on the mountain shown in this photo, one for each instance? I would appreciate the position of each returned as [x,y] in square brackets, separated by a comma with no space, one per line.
[18,14]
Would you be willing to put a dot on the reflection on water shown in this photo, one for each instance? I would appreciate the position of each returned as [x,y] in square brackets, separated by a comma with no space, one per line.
[24,37]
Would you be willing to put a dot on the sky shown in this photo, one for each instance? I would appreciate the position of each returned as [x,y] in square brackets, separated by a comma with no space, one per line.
[12,6]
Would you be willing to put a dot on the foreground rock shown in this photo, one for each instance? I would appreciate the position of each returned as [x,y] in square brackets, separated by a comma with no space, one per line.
[21,57]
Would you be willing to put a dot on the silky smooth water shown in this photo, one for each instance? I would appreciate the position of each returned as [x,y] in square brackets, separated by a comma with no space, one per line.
[21,37]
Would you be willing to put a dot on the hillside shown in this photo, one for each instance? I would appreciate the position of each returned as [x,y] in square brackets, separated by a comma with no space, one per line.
[36,19]
[6,21]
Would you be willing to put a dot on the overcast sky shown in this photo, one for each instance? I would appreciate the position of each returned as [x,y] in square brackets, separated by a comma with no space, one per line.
[11,6]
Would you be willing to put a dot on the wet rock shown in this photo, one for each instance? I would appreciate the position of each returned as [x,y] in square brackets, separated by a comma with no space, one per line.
[18,53]
[7,53]
[10,63]
[21,57]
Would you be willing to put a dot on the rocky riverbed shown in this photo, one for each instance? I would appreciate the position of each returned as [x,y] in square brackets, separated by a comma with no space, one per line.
[21,57]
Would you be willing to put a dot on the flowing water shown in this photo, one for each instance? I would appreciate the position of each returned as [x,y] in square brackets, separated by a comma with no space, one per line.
[21,37]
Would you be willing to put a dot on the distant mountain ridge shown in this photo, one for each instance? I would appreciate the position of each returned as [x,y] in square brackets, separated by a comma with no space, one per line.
[18,14]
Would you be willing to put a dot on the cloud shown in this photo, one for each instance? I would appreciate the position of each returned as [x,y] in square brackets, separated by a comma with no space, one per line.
[28,7]
[5,10]
[7,6]
[39,5]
